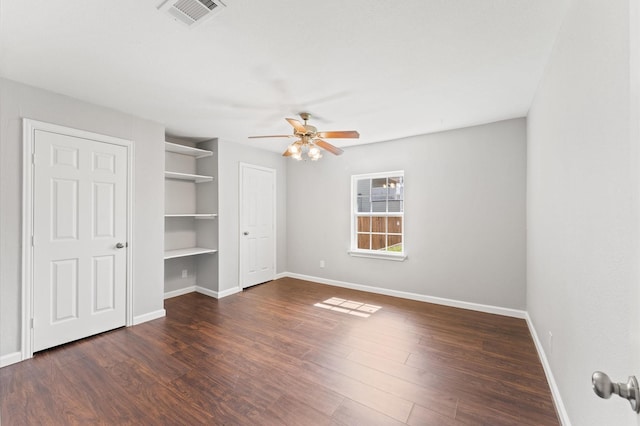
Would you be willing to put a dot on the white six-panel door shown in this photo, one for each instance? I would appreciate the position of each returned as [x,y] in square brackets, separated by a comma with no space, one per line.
[79,223]
[257,225]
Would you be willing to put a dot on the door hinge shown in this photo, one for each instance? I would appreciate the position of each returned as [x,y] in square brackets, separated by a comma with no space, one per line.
[32,244]
[32,323]
[33,158]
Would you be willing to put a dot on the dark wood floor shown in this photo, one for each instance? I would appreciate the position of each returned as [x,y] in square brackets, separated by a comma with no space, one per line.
[267,356]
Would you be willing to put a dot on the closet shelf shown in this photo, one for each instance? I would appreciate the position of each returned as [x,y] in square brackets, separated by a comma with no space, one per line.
[187,176]
[187,150]
[191,251]
[194,215]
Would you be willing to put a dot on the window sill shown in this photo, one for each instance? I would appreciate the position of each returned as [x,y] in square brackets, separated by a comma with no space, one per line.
[378,255]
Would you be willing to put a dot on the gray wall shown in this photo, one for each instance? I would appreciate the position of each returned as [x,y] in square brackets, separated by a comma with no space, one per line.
[583,214]
[18,101]
[464,215]
[230,155]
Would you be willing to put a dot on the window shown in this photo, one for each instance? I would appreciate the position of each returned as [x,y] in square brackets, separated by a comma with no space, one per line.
[377,215]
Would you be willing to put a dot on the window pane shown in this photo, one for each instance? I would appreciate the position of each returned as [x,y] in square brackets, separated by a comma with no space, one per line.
[396,182]
[378,183]
[364,204]
[395,243]
[379,206]
[394,225]
[395,206]
[363,241]
[378,242]
[363,186]
[378,225]
[364,224]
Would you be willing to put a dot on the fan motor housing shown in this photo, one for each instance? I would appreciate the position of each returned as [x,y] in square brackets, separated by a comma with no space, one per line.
[311,130]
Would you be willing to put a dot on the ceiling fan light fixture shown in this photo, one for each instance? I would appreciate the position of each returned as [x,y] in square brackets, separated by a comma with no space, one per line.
[310,141]
[293,148]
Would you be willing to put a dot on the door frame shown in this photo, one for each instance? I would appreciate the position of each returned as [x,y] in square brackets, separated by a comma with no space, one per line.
[241,261]
[29,128]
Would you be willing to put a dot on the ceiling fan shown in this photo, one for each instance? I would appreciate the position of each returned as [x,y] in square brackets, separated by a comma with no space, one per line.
[310,140]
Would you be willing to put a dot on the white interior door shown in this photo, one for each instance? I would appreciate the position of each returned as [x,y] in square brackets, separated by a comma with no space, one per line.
[79,224]
[257,225]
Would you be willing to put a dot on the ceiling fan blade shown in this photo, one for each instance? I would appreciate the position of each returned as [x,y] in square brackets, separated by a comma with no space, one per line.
[271,136]
[296,125]
[344,134]
[327,146]
[287,153]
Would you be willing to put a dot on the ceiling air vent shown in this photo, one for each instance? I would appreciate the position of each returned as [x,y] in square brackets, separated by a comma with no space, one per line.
[192,12]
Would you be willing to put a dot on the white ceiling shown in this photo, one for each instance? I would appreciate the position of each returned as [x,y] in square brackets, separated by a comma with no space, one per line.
[388,69]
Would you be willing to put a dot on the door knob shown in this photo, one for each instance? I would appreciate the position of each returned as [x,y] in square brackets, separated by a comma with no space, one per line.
[245,233]
[604,388]
[120,245]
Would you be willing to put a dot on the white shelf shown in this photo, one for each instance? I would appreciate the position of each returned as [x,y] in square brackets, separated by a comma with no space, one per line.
[186,150]
[194,215]
[191,251]
[187,176]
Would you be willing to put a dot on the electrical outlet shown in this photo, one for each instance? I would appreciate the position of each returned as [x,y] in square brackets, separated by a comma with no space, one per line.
[185,273]
[550,342]
[322,263]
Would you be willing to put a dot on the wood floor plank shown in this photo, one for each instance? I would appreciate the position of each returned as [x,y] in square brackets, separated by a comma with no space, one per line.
[437,400]
[352,413]
[421,416]
[291,412]
[268,356]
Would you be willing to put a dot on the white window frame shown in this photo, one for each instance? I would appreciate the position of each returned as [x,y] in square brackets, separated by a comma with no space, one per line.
[375,254]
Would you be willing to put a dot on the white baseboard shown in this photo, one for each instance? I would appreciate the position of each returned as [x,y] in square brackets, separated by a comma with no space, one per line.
[228,292]
[206,292]
[149,316]
[179,292]
[9,359]
[515,313]
[202,290]
[555,392]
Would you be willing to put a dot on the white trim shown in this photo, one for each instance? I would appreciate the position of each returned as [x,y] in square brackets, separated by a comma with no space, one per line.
[202,290]
[27,226]
[384,255]
[227,292]
[555,392]
[207,292]
[11,358]
[149,316]
[377,175]
[131,148]
[29,127]
[179,292]
[241,166]
[281,275]
[490,309]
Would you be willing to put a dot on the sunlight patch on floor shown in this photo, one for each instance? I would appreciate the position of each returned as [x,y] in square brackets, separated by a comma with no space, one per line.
[349,307]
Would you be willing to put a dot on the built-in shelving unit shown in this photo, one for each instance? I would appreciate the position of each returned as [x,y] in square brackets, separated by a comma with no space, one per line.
[191,226]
